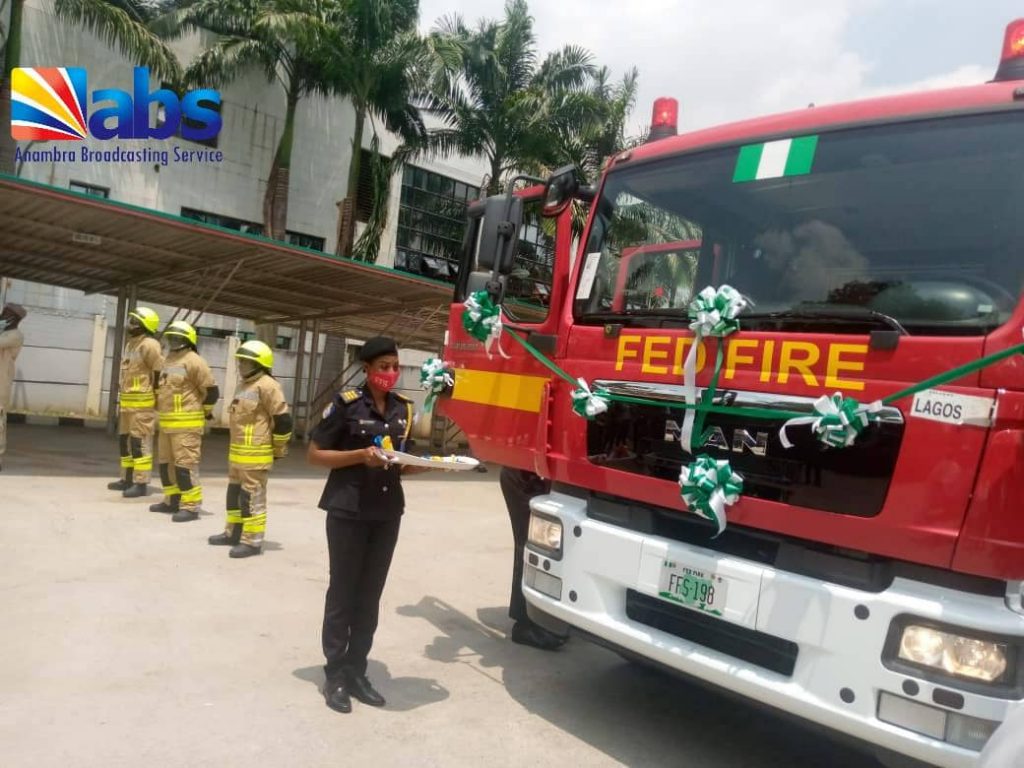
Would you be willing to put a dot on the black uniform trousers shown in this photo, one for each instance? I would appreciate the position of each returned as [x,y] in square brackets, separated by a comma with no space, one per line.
[518,488]
[360,554]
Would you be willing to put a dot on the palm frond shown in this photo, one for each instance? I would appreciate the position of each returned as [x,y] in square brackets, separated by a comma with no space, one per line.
[228,58]
[123,30]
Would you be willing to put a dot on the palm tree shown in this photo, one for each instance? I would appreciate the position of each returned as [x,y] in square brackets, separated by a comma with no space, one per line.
[127,25]
[590,143]
[280,38]
[376,58]
[497,99]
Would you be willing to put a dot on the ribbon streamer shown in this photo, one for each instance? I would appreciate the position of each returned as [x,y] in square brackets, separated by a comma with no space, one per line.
[588,404]
[712,313]
[838,422]
[435,378]
[708,486]
[481,318]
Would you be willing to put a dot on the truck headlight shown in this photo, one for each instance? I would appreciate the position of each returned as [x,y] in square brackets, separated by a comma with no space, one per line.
[545,535]
[956,654]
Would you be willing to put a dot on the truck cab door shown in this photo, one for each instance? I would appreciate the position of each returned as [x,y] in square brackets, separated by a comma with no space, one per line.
[501,400]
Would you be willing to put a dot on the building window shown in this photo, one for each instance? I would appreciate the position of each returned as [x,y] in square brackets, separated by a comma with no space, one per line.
[305,241]
[364,188]
[239,225]
[161,118]
[252,228]
[431,220]
[89,189]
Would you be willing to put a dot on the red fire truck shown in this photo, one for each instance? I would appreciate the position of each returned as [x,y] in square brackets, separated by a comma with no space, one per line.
[874,589]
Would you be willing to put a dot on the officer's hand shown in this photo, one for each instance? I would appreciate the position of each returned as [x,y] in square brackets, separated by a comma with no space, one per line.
[372,457]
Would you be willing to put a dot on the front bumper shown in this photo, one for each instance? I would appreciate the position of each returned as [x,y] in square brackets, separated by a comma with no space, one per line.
[833,675]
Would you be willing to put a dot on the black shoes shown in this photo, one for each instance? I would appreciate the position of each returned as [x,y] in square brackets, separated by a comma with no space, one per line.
[337,697]
[536,636]
[359,686]
[224,539]
[184,516]
[163,507]
[118,485]
[135,490]
[243,550]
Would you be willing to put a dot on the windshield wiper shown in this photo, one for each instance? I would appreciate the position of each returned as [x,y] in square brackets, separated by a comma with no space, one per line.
[835,313]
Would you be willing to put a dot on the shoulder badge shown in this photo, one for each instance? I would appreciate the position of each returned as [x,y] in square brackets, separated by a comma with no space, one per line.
[350,396]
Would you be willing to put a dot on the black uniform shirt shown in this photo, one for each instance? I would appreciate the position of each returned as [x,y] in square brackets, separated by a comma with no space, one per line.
[352,422]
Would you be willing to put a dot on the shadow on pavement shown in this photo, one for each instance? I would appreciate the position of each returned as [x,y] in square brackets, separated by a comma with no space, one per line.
[402,693]
[634,715]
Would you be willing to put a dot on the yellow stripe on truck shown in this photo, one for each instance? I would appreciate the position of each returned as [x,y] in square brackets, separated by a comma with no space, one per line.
[505,390]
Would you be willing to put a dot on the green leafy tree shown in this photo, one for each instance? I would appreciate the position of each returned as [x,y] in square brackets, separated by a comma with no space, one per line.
[497,99]
[128,26]
[280,38]
[376,59]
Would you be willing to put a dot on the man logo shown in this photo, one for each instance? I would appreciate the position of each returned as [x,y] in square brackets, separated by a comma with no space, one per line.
[49,104]
[742,440]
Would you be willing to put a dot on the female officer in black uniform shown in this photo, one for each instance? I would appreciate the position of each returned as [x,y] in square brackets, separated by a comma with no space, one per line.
[364,503]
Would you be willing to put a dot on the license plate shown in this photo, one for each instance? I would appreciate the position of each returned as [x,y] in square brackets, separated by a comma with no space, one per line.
[701,590]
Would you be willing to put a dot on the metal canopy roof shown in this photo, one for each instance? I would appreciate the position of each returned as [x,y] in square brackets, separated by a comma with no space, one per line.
[73,240]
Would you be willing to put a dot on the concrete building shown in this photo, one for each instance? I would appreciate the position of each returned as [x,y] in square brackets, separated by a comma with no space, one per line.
[69,336]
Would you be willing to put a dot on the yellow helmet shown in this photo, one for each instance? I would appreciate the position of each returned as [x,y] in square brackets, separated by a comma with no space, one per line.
[147,318]
[258,352]
[182,329]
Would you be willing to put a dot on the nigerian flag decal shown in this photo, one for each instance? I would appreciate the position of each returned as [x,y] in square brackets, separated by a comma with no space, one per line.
[775,159]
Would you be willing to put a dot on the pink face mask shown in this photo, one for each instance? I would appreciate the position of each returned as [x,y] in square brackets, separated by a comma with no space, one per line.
[385,381]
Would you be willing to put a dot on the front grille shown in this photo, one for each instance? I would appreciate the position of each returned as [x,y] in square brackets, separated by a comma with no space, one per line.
[767,651]
[644,440]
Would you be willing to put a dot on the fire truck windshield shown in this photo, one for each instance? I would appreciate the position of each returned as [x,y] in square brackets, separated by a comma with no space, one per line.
[917,224]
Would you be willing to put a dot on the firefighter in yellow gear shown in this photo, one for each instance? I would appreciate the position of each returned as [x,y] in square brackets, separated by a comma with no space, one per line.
[140,368]
[261,427]
[184,400]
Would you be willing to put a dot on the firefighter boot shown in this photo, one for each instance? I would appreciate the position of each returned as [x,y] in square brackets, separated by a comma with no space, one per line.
[227,539]
[166,508]
[136,490]
[244,550]
[123,484]
[185,515]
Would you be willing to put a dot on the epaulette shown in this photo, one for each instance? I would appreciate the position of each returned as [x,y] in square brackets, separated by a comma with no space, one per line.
[350,396]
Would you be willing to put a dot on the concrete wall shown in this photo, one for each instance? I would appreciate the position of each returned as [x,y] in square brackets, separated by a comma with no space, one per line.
[64,367]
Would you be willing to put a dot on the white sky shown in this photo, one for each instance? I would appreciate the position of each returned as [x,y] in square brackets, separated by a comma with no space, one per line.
[732,59]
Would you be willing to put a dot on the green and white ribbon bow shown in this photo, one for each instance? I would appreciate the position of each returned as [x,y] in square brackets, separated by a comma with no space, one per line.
[837,422]
[435,378]
[481,318]
[708,486]
[586,403]
[716,312]
[712,313]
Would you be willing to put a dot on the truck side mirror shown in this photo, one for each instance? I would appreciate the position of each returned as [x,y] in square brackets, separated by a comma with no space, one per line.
[498,234]
[560,189]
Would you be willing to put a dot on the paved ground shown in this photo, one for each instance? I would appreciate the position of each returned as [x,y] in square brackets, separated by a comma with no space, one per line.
[125,640]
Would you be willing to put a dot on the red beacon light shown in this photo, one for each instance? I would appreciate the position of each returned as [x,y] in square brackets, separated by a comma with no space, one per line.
[665,119]
[1011,63]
